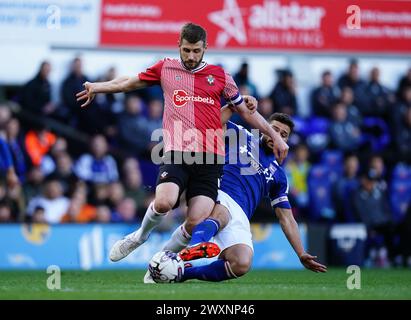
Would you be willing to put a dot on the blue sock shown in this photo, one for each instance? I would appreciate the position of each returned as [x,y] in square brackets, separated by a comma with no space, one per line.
[204,231]
[215,271]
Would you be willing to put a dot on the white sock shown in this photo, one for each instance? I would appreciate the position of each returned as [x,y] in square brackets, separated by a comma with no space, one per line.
[179,240]
[151,220]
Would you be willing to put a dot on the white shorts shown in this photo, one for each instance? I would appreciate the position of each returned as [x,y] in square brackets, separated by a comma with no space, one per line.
[237,231]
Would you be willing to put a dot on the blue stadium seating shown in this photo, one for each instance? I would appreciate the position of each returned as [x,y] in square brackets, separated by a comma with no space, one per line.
[400,190]
[316,133]
[319,191]
[333,160]
[150,172]
[375,132]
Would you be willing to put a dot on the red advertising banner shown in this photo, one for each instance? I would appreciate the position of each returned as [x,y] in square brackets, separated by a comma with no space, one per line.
[304,25]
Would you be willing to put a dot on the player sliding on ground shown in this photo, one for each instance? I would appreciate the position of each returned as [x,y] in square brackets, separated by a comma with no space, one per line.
[243,185]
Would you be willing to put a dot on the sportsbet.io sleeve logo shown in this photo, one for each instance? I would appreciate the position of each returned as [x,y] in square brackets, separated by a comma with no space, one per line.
[180,98]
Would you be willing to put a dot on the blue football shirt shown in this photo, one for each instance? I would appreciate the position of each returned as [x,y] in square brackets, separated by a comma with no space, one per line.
[251,173]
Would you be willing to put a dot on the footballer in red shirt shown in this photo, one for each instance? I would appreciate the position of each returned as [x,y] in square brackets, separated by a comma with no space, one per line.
[192,134]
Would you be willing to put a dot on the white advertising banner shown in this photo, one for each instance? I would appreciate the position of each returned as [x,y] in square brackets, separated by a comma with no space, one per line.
[50,22]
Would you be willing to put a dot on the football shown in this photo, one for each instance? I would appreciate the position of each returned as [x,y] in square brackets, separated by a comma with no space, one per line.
[166,267]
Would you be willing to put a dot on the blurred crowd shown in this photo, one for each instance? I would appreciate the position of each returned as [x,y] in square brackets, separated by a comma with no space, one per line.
[350,159]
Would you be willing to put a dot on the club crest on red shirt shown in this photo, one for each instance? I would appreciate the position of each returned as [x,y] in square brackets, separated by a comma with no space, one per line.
[210,80]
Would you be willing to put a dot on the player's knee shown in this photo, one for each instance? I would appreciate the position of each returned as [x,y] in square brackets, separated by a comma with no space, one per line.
[162,205]
[240,265]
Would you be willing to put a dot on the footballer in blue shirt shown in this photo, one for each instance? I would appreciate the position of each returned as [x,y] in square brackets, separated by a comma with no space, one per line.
[250,173]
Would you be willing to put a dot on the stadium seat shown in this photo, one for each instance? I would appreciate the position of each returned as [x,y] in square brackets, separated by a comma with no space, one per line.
[400,198]
[319,192]
[300,126]
[150,172]
[400,190]
[316,133]
[375,132]
[401,172]
[333,160]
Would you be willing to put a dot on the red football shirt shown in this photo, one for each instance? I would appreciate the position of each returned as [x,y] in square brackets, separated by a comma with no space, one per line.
[191,120]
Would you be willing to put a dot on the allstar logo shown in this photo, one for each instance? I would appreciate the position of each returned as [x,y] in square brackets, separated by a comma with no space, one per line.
[230,20]
[210,80]
[164,174]
[178,77]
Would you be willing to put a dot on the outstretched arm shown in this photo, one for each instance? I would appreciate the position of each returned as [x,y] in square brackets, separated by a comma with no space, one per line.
[121,84]
[228,110]
[257,121]
[290,229]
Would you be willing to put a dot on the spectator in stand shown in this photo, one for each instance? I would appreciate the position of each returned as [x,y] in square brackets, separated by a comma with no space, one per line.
[403,137]
[154,121]
[16,148]
[38,142]
[5,212]
[79,209]
[297,169]
[36,94]
[99,194]
[284,94]
[103,214]
[6,157]
[400,108]
[6,164]
[404,82]
[112,102]
[72,84]
[132,126]
[371,207]
[48,163]
[324,96]
[347,98]
[352,80]
[242,78]
[116,194]
[345,135]
[64,172]
[344,189]
[377,164]
[98,166]
[405,238]
[34,183]
[103,115]
[125,211]
[16,201]
[381,98]
[38,215]
[133,183]
[265,107]
[52,200]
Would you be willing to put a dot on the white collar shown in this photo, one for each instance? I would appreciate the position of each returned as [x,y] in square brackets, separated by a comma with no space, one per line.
[201,66]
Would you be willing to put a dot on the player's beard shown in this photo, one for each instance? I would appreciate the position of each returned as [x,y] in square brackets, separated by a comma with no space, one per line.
[195,66]
[267,144]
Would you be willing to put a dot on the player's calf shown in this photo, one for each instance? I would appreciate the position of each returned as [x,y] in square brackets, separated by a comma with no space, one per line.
[240,265]
[240,257]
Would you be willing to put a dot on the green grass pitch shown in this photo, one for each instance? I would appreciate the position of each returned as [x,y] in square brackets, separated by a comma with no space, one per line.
[256,285]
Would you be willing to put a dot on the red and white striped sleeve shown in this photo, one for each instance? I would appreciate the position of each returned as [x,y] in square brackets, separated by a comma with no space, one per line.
[153,74]
[231,92]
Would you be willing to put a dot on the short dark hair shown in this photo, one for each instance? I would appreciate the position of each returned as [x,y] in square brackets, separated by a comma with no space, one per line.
[193,33]
[283,118]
